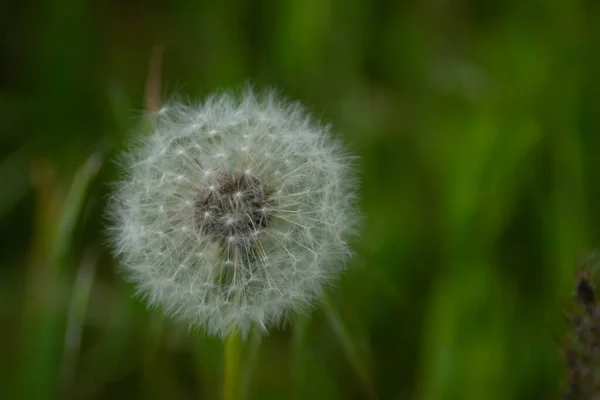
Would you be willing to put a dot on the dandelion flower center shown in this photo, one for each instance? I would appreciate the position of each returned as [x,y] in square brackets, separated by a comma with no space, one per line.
[233,210]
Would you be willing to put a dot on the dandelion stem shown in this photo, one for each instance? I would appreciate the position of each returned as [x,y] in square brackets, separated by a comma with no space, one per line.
[232,362]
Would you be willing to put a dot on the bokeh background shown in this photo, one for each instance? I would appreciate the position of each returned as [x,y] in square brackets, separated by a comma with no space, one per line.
[477,126]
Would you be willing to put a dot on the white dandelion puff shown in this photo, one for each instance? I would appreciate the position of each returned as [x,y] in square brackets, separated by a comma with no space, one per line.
[234,212]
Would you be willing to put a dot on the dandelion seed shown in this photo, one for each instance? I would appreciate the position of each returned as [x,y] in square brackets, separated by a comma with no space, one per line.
[242,216]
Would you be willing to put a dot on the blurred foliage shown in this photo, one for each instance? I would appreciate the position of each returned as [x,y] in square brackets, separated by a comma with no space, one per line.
[476,123]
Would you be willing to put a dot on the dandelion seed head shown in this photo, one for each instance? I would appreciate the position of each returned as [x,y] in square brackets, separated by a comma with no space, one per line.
[234,212]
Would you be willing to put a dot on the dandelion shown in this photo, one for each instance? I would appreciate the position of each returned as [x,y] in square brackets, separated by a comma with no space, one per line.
[234,212]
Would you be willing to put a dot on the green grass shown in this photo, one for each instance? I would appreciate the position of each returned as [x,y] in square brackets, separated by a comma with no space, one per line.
[477,127]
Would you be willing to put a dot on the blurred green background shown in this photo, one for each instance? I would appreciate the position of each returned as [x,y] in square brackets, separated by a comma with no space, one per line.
[477,127]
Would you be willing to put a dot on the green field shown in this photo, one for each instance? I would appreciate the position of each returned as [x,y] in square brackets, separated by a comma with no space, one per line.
[477,124]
